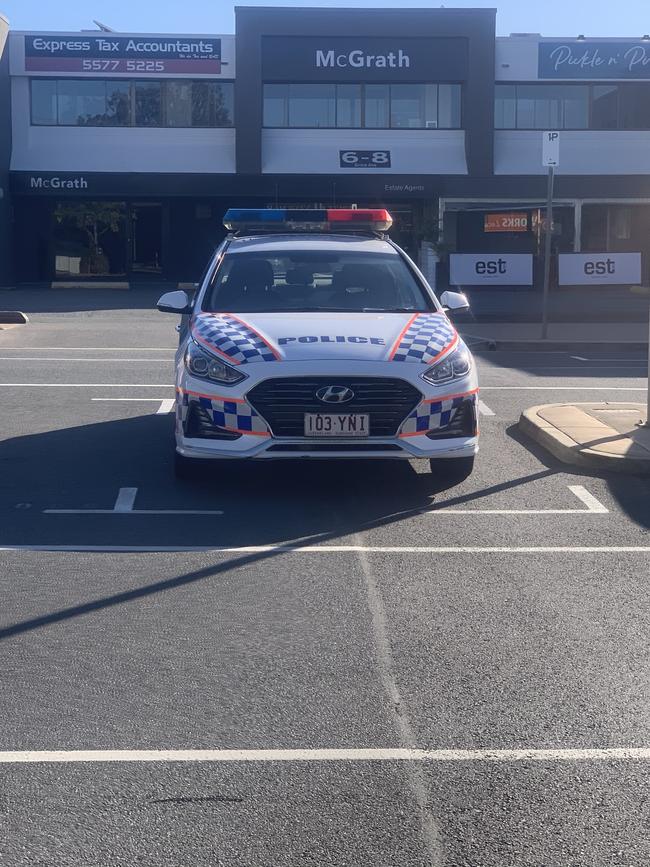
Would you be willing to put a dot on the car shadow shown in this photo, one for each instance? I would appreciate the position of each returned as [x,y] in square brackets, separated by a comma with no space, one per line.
[263,502]
[632,493]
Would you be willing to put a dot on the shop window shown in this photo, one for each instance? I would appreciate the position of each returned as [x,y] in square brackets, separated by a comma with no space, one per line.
[505,107]
[312,105]
[449,101]
[414,106]
[634,106]
[119,102]
[276,98]
[178,103]
[604,106]
[81,102]
[212,103]
[353,106]
[348,105]
[148,109]
[89,238]
[377,105]
[44,101]
[546,106]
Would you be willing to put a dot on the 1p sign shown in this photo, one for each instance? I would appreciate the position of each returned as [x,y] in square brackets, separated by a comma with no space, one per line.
[551,149]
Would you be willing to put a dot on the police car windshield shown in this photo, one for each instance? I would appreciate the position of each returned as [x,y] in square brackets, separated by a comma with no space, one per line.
[315,280]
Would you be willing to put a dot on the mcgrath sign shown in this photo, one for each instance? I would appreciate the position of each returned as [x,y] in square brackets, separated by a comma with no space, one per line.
[486,269]
[599,269]
[596,59]
[350,58]
[144,55]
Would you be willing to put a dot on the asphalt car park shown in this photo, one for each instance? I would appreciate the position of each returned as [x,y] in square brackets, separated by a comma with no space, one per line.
[311,663]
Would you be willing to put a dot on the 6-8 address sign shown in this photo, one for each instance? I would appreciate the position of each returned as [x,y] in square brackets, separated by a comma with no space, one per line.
[364,159]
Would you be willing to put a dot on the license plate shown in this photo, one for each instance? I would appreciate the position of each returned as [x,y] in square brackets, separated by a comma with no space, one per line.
[336,425]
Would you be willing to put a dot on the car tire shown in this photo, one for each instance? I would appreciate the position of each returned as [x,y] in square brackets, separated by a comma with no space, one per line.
[186,469]
[451,471]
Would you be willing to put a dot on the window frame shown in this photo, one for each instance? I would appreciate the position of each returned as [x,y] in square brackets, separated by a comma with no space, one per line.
[362,85]
[132,97]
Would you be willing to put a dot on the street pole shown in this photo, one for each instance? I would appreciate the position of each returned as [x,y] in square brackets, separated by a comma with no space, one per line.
[647,415]
[547,251]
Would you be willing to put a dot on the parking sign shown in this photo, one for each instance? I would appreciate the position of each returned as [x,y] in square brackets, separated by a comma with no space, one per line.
[551,149]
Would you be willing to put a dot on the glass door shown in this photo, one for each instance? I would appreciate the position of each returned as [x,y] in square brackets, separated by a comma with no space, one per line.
[89,239]
[146,237]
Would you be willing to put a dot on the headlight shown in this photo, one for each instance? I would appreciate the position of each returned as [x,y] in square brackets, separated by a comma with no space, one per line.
[456,365]
[199,362]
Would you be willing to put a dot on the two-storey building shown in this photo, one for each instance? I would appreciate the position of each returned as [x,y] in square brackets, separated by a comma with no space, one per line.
[124,150]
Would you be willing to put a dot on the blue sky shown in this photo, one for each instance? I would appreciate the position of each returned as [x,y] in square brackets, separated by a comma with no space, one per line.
[549,17]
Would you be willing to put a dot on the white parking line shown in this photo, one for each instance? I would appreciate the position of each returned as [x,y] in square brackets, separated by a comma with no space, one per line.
[321,549]
[124,506]
[84,360]
[83,385]
[579,358]
[564,388]
[614,754]
[125,500]
[166,406]
[134,399]
[484,409]
[594,507]
[87,349]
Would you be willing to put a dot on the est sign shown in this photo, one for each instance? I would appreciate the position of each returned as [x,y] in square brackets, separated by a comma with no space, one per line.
[551,149]
[599,269]
[491,269]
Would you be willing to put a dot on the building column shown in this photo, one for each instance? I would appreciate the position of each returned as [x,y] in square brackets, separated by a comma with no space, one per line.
[577,218]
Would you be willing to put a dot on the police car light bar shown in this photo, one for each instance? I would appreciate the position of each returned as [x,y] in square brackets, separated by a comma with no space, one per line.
[308,220]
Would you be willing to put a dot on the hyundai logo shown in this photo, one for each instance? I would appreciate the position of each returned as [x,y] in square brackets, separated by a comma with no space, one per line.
[335,394]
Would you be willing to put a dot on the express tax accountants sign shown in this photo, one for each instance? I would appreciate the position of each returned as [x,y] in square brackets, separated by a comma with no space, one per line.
[122,54]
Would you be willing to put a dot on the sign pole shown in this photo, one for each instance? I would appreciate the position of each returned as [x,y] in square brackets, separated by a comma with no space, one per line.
[550,158]
[547,250]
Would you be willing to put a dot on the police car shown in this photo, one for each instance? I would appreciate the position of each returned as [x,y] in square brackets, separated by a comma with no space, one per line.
[312,335]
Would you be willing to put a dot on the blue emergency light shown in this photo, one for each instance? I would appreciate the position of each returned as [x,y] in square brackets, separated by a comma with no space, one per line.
[307,219]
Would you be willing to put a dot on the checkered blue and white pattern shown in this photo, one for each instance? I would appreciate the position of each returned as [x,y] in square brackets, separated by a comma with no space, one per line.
[231,337]
[229,414]
[428,416]
[428,335]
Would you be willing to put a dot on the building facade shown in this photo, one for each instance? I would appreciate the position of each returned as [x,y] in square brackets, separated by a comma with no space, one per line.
[126,149]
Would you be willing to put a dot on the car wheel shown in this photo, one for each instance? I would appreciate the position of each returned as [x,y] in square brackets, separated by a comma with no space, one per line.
[451,471]
[186,468]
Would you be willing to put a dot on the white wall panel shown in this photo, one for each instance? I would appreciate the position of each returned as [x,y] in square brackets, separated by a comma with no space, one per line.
[516,58]
[316,151]
[615,152]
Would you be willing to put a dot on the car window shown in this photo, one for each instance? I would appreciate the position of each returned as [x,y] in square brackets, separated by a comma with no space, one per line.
[312,280]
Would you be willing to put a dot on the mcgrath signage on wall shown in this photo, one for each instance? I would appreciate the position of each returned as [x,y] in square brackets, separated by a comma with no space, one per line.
[584,59]
[491,269]
[107,53]
[599,269]
[347,58]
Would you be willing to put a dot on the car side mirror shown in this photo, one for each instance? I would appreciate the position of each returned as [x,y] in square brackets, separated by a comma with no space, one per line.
[454,301]
[174,302]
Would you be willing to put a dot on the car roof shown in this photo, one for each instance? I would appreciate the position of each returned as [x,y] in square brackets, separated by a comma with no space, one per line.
[296,242]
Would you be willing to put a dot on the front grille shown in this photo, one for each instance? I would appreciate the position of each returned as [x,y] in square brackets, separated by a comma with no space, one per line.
[335,447]
[463,424]
[198,424]
[284,402]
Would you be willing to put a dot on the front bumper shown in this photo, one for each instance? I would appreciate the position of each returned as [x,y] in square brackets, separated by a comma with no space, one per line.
[390,448]
[244,433]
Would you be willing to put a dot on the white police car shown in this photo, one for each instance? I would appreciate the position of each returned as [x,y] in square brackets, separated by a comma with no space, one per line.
[312,335]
